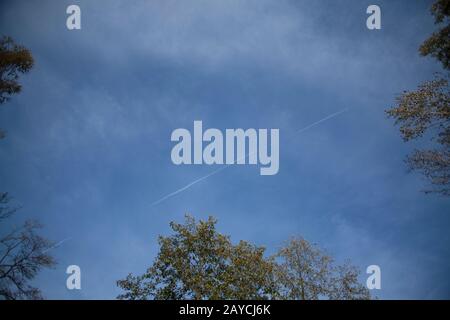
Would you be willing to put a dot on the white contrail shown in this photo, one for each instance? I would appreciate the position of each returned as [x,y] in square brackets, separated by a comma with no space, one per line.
[226,166]
[56,245]
[189,185]
[322,120]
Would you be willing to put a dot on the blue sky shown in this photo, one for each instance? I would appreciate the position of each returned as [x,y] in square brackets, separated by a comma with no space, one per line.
[88,140]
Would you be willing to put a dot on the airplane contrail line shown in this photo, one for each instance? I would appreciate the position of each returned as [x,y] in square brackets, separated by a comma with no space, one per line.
[189,185]
[226,166]
[56,245]
[321,120]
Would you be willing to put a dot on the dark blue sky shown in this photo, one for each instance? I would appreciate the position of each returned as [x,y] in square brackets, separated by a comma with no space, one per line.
[88,144]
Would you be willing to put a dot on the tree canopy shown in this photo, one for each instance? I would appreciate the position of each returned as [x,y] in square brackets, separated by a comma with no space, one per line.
[197,262]
[23,253]
[438,44]
[14,59]
[425,112]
